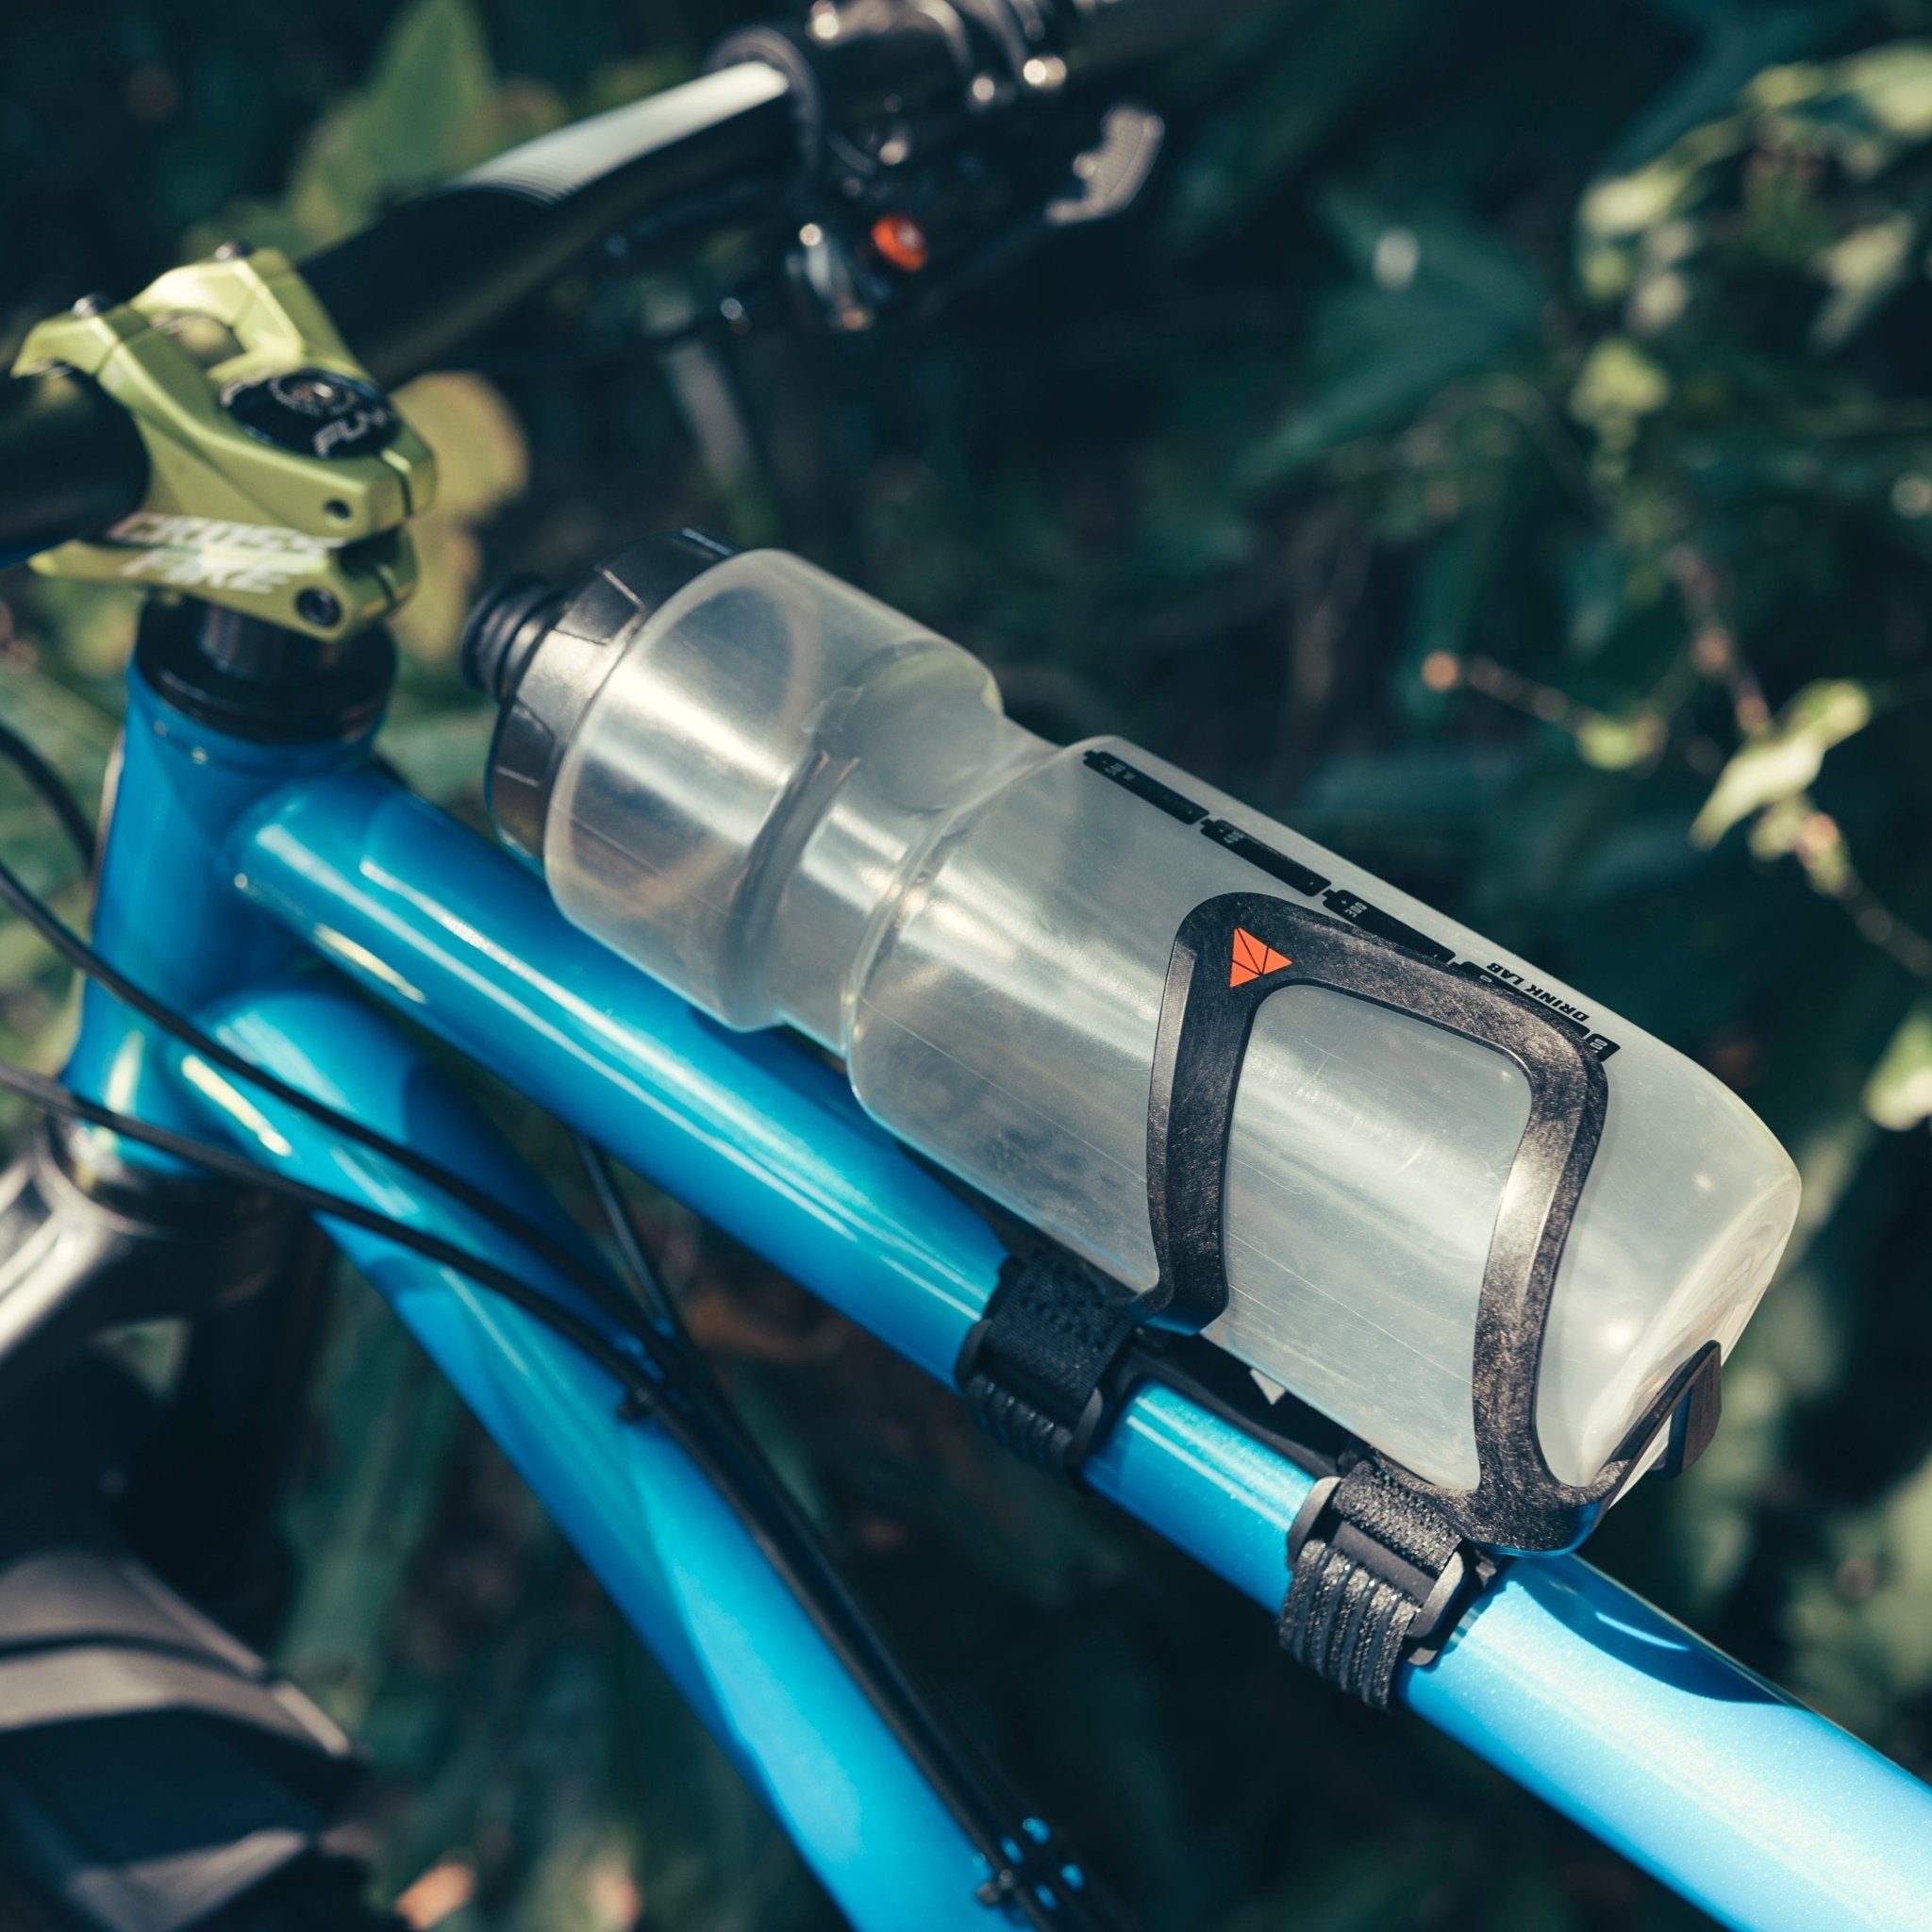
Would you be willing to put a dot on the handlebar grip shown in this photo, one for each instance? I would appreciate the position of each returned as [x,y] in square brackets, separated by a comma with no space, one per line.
[1103,35]
[73,462]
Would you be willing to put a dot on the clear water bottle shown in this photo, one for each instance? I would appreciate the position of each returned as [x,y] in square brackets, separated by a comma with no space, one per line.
[795,806]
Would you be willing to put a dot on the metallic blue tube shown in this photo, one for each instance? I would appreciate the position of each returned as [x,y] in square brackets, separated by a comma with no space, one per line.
[1757,1810]
[680,1566]
[166,911]
[1761,1811]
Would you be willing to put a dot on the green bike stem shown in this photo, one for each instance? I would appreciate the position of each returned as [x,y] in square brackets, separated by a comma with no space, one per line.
[281,479]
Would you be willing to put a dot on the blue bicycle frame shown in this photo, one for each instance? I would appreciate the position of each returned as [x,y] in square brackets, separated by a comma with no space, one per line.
[230,865]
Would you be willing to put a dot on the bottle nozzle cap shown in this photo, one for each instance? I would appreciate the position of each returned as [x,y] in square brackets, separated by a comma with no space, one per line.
[504,629]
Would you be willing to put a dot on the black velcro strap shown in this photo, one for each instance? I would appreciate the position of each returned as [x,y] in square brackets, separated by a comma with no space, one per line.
[1377,1571]
[1034,1370]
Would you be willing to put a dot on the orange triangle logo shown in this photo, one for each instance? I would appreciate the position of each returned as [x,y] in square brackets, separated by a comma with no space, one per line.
[1253,959]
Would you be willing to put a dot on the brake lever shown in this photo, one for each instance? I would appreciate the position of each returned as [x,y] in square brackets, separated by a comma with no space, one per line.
[1103,182]
[846,278]
[842,276]
[1108,177]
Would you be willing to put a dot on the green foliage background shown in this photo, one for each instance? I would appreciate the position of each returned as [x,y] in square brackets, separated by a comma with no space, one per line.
[1502,448]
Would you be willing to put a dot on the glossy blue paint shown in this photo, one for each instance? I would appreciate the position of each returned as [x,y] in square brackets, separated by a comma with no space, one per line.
[467,942]
[1767,1815]
[1757,1810]
[677,1563]
[166,910]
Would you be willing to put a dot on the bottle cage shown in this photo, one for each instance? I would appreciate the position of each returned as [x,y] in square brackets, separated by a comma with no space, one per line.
[1383,1561]
[1206,1018]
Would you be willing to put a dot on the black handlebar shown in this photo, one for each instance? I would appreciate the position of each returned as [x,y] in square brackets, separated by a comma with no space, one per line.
[424,278]
[69,461]
[412,287]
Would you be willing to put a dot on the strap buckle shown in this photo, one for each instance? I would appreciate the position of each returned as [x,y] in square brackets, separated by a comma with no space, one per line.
[1038,1369]
[1380,1576]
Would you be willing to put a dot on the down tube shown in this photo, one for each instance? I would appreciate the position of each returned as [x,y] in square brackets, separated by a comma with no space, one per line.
[1758,1810]
[679,1565]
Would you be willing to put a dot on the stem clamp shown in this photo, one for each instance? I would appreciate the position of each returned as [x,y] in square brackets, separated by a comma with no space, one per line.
[280,477]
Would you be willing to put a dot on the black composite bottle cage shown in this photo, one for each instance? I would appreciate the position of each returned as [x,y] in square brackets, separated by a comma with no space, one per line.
[1237,951]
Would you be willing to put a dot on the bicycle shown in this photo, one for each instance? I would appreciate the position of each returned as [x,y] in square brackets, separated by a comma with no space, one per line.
[221,1100]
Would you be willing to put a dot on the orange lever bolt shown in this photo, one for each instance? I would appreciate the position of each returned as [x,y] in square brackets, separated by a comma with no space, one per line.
[901,241]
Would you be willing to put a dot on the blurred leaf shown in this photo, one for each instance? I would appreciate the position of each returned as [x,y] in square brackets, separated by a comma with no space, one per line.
[1738,40]
[1622,207]
[1785,758]
[1899,1093]
[1617,745]
[1865,1626]
[1594,586]
[1454,574]
[92,629]
[482,463]
[1861,271]
[1867,109]
[1862,113]
[441,754]
[1446,300]
[75,731]
[1617,387]
[1328,62]
[429,108]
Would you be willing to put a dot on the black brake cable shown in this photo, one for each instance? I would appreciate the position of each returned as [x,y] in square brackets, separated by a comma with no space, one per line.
[86,960]
[52,791]
[598,1165]
[1026,1872]
[653,1296]
[508,1221]
[1031,1883]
